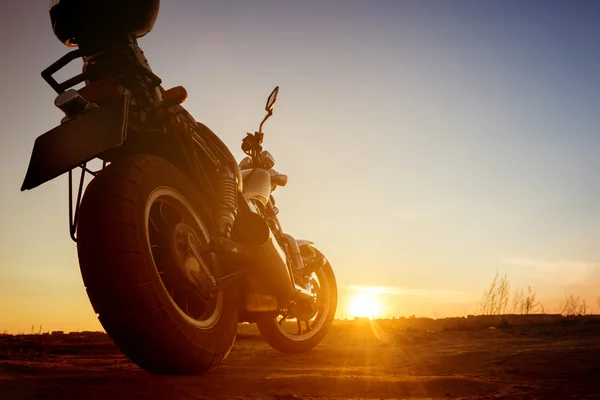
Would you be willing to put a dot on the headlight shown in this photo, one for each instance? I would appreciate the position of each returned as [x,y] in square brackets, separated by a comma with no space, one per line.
[267,159]
[246,163]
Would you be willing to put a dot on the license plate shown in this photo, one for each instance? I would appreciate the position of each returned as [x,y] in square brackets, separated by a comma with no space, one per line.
[76,142]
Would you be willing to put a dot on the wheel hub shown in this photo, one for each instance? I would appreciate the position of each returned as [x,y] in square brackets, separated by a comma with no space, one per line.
[306,310]
[182,240]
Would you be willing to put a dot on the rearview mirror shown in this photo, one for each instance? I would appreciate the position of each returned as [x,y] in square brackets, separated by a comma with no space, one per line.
[272,100]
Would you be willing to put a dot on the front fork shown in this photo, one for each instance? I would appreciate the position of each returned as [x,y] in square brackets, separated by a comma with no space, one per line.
[296,261]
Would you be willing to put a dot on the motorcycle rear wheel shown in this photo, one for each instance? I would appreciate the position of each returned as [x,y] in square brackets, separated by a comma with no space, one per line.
[136,268]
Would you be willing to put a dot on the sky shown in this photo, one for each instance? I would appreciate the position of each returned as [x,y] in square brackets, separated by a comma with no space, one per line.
[428,144]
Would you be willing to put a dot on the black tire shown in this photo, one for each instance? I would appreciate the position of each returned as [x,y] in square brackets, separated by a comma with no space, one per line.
[285,342]
[118,263]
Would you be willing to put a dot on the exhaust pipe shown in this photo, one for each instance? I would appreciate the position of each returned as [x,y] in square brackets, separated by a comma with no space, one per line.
[254,240]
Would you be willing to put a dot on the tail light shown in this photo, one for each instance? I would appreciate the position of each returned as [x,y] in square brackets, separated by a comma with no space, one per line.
[102,91]
[71,102]
[75,102]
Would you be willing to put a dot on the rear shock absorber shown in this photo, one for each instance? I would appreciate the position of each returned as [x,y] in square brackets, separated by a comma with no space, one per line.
[227,202]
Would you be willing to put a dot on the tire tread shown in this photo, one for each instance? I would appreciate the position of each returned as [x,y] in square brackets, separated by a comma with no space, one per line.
[110,257]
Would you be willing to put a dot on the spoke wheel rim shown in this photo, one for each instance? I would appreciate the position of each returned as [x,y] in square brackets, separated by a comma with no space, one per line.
[169,215]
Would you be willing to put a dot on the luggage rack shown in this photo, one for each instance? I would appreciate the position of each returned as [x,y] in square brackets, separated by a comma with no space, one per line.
[126,61]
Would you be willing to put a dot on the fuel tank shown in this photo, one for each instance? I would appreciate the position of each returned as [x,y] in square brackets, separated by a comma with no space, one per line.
[257,184]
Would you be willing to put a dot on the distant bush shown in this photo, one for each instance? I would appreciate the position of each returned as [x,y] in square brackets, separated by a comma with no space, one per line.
[391,328]
[526,304]
[572,305]
[496,299]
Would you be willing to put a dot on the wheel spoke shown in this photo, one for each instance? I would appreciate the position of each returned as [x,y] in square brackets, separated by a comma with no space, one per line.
[282,320]
[299,327]
[162,215]
[170,215]
[152,222]
[307,322]
[158,219]
[160,227]
[203,299]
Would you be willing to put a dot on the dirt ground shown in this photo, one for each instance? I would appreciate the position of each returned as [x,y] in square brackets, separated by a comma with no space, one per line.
[356,360]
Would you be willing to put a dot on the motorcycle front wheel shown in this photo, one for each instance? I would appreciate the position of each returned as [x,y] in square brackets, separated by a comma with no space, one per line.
[137,219]
[300,329]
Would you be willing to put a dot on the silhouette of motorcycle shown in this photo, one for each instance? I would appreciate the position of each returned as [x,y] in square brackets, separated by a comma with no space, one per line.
[177,243]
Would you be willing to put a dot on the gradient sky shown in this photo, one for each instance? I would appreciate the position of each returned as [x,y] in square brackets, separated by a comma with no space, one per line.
[429,144]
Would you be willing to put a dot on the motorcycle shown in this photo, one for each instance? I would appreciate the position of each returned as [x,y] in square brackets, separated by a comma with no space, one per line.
[177,242]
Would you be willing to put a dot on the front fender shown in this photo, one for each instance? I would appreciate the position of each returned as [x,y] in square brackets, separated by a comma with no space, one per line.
[312,258]
[303,243]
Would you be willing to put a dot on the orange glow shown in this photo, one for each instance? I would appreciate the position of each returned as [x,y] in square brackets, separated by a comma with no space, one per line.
[101,91]
[364,305]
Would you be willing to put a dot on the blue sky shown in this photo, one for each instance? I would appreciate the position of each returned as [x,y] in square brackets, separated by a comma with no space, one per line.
[428,143]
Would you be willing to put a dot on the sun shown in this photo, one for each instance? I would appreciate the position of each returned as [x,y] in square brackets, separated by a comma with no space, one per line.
[364,305]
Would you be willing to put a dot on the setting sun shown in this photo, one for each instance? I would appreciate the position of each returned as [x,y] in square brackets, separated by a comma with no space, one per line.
[364,305]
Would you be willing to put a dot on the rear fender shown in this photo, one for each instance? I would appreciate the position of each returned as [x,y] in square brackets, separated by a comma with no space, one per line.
[76,142]
[161,145]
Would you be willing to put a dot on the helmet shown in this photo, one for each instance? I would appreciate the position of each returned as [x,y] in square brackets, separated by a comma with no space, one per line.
[77,21]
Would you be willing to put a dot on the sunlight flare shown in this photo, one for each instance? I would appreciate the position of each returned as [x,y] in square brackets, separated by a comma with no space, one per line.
[364,305]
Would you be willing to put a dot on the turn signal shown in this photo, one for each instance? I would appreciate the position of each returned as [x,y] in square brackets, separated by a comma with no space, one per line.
[174,97]
[280,179]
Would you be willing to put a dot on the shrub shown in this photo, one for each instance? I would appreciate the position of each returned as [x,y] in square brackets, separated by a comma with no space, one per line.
[572,305]
[496,299]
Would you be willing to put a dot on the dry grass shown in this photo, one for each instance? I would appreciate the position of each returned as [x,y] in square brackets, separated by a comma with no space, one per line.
[497,297]
[573,305]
